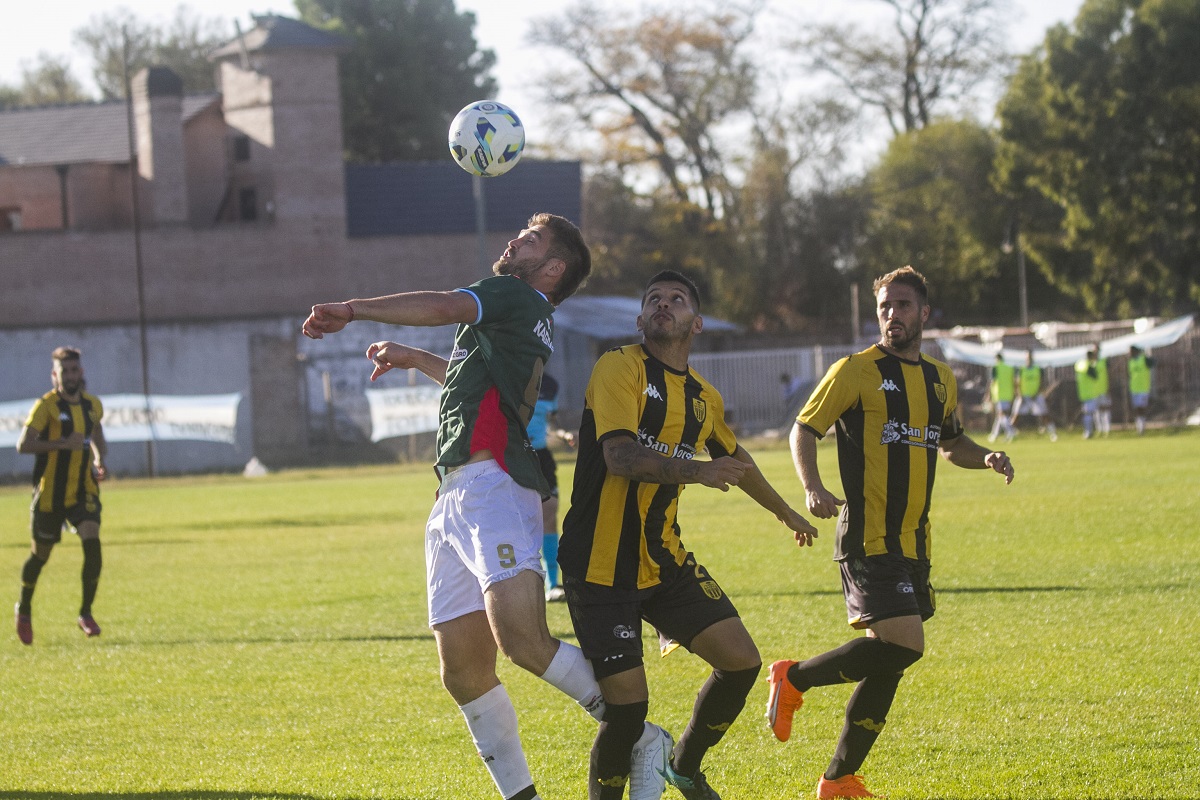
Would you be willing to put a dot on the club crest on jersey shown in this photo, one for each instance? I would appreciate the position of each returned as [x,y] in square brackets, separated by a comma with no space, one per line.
[699,409]
[711,589]
[939,389]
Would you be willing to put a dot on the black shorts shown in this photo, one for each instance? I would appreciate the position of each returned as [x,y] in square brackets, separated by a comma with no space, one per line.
[46,526]
[608,622]
[882,587]
[549,468]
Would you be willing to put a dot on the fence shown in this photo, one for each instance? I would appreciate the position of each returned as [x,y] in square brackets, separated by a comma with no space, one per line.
[757,398]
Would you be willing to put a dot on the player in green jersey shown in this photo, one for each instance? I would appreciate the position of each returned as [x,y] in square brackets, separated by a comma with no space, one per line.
[483,537]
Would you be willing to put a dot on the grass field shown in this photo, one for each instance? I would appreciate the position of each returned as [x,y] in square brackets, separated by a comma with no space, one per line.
[266,639]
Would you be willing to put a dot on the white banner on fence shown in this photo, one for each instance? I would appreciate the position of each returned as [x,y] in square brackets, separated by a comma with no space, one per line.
[399,412]
[985,354]
[205,418]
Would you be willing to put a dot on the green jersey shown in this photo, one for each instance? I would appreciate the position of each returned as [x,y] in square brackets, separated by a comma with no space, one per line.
[1087,380]
[493,377]
[1030,379]
[1003,387]
[1139,374]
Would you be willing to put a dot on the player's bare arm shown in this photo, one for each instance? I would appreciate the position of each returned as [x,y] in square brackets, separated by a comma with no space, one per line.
[424,309]
[821,502]
[99,452]
[756,485]
[387,356]
[963,451]
[30,444]
[628,459]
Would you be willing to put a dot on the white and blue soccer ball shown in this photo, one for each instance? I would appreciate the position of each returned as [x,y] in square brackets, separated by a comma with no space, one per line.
[487,138]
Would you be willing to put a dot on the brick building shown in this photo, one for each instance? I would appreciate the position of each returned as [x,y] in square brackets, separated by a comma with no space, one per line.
[246,215]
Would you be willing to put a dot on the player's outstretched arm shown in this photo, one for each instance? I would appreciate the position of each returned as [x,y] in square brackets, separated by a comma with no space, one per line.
[756,485]
[963,451]
[99,452]
[422,309]
[387,356]
[821,502]
[625,457]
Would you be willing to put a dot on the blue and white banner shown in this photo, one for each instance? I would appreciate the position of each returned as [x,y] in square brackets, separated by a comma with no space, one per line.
[399,412]
[129,418]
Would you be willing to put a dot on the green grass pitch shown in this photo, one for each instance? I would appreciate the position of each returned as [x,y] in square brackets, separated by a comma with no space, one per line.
[266,638]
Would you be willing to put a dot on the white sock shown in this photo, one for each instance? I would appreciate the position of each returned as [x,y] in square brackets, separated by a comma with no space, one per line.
[492,721]
[571,673]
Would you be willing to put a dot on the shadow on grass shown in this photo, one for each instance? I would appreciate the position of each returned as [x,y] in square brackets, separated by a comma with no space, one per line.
[174,795]
[939,590]
[410,637]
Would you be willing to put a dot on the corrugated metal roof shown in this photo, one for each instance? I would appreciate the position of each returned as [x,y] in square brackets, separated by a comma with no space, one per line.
[406,198]
[280,33]
[82,133]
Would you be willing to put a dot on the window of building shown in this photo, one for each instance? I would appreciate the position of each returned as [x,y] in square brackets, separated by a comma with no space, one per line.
[10,219]
[247,205]
[241,148]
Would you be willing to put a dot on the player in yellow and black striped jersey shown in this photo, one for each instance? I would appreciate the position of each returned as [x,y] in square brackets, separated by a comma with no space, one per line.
[64,432]
[648,418]
[894,411]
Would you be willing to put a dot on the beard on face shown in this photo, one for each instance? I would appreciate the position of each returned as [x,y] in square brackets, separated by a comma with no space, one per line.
[516,267]
[901,340]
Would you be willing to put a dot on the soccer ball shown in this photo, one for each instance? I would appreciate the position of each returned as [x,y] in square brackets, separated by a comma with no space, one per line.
[486,138]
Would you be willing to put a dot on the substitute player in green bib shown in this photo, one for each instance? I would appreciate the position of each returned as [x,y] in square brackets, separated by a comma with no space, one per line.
[1139,367]
[895,411]
[483,537]
[1003,389]
[1031,398]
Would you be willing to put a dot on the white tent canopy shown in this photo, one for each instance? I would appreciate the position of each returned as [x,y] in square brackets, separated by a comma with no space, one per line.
[985,354]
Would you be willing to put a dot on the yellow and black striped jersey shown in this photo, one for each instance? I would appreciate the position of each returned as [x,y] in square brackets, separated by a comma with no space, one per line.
[624,533]
[891,416]
[63,478]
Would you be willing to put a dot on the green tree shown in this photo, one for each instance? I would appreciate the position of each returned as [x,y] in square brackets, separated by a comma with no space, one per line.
[413,65]
[1100,146]
[47,81]
[933,206]
[183,45]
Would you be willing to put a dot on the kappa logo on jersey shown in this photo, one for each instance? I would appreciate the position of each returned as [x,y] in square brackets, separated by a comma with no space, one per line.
[888,385]
[458,354]
[64,417]
[652,391]
[543,331]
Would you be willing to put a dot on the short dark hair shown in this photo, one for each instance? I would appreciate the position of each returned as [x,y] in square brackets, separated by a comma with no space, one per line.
[66,354]
[905,276]
[670,275]
[566,243]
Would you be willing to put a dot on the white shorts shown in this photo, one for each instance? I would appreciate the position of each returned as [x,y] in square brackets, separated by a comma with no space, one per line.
[1035,405]
[484,528]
